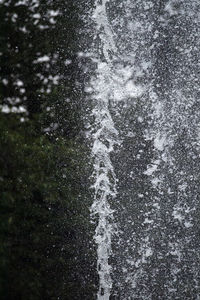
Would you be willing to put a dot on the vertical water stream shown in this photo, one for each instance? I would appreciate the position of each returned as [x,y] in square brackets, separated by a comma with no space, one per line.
[105,136]
[145,133]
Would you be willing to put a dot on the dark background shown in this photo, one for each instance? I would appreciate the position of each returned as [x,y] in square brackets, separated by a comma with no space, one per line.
[45,234]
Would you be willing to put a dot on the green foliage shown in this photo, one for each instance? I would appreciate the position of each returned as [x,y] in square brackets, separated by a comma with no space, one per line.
[27,55]
[45,234]
[45,226]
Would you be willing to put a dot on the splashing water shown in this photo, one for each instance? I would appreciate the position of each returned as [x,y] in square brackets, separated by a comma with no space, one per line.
[145,134]
[105,137]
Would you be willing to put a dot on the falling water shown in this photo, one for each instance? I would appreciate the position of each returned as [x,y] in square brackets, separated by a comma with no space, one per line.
[146,142]
[105,137]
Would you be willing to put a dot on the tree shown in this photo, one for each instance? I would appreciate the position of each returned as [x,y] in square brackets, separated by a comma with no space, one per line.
[46,249]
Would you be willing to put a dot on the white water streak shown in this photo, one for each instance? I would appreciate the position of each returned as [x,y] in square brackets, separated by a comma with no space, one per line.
[105,137]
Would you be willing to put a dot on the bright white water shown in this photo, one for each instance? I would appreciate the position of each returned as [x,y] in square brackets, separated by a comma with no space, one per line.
[145,99]
[105,137]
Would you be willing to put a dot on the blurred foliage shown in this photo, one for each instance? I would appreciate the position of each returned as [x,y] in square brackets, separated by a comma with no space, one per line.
[45,246]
